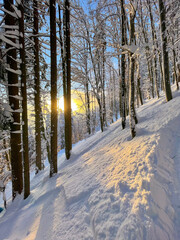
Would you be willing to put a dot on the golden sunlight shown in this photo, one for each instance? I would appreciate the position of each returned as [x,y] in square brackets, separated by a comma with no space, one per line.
[61,104]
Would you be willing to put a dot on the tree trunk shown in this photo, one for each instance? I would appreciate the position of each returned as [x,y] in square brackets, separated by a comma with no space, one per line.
[174,66]
[67,90]
[88,118]
[37,88]
[103,88]
[54,116]
[131,97]
[132,113]
[123,68]
[147,52]
[139,94]
[154,38]
[165,57]
[15,134]
[24,103]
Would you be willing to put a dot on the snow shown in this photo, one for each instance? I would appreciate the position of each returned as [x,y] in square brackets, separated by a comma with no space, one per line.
[14,71]
[112,188]
[7,41]
[18,12]
[8,12]
[10,27]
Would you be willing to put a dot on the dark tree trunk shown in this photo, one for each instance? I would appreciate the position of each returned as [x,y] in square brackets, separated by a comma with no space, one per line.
[174,66]
[139,94]
[54,116]
[132,113]
[100,114]
[43,132]
[154,38]
[88,120]
[37,88]
[67,90]
[88,111]
[13,91]
[24,103]
[103,87]
[115,105]
[165,56]
[123,68]
[147,52]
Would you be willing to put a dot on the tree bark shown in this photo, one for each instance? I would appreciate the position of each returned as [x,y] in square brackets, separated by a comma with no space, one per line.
[174,65]
[67,90]
[165,56]
[15,134]
[139,94]
[88,114]
[154,38]
[24,103]
[123,67]
[54,116]
[132,113]
[37,88]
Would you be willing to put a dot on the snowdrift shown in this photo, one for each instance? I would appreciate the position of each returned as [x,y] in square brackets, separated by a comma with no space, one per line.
[113,188]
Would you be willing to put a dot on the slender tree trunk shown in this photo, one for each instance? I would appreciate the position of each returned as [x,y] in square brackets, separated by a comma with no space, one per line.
[101,115]
[174,65]
[13,91]
[88,112]
[120,84]
[123,68]
[43,132]
[165,57]
[147,52]
[6,154]
[115,107]
[88,116]
[67,90]
[154,38]
[54,115]
[24,103]
[103,88]
[37,88]
[111,95]
[139,94]
[132,113]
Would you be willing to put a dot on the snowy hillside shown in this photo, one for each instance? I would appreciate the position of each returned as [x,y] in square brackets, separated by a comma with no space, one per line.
[113,188]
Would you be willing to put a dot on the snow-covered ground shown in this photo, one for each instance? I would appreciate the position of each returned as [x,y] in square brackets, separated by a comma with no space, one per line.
[113,188]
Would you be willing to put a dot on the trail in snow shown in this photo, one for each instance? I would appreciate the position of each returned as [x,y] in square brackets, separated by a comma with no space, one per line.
[113,188]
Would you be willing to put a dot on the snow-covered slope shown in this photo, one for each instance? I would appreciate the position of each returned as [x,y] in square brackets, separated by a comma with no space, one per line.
[113,187]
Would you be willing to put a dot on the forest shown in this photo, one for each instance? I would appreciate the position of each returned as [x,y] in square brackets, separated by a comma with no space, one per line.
[69,69]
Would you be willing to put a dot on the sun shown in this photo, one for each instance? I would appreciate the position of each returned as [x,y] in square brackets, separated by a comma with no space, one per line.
[61,104]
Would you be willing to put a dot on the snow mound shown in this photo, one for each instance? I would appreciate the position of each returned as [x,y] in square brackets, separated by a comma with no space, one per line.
[113,188]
